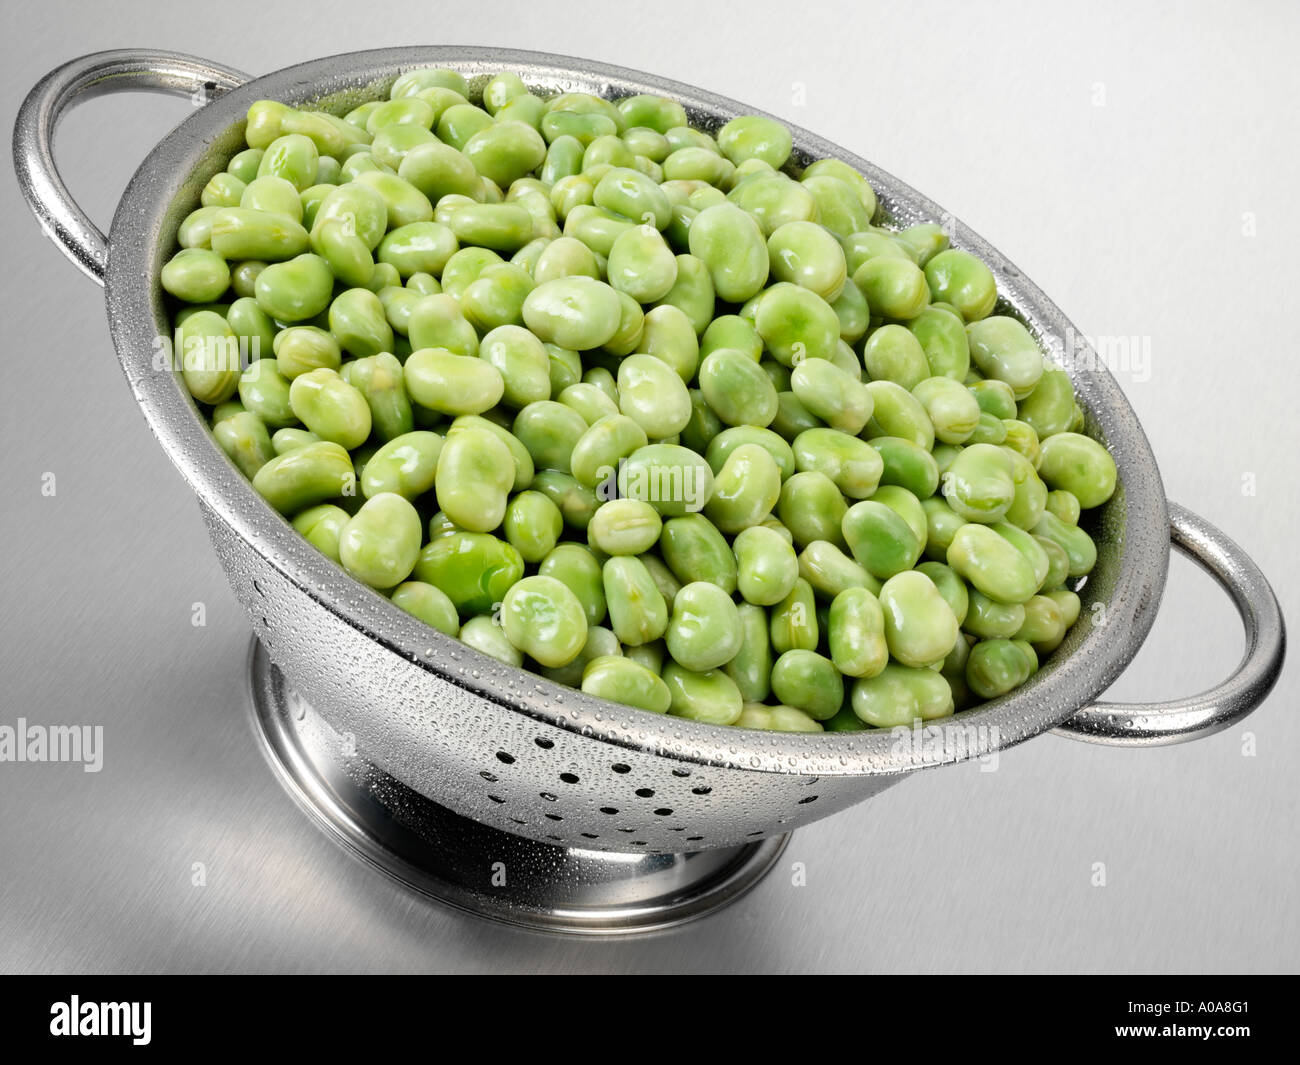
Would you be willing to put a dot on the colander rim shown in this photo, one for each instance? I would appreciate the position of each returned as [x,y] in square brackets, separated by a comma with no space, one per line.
[1133,547]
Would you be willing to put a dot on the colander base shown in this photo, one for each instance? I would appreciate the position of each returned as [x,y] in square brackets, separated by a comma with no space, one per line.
[477,869]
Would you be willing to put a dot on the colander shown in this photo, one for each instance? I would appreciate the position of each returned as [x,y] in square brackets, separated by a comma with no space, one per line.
[489,787]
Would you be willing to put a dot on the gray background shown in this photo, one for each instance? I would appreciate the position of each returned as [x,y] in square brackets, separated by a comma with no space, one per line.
[1119,154]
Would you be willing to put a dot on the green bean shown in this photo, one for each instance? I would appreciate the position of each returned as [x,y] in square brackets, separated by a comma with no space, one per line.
[486,635]
[880,539]
[992,564]
[906,465]
[452,384]
[731,246]
[829,571]
[381,543]
[330,407]
[812,508]
[793,621]
[766,566]
[265,392]
[745,489]
[892,353]
[196,275]
[858,642]
[796,325]
[431,605]
[997,666]
[405,465]
[1077,544]
[475,472]
[958,278]
[474,570]
[1003,350]
[704,630]
[321,526]
[1064,505]
[711,697]
[544,619]
[695,550]
[952,409]
[244,439]
[896,412]
[942,336]
[920,627]
[623,681]
[637,611]
[624,527]
[725,442]
[1079,465]
[1049,408]
[854,465]
[894,288]
[900,695]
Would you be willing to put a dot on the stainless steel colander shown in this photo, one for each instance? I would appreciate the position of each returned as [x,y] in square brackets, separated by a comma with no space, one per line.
[491,787]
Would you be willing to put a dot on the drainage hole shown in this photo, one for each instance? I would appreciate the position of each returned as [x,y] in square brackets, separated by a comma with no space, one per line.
[646,793]
[588,835]
[681,772]
[694,839]
[496,798]
[609,809]
[663,811]
[758,833]
[544,743]
[569,778]
[548,796]
[553,817]
[491,778]
[701,791]
[505,759]
[627,829]
[619,767]
[811,798]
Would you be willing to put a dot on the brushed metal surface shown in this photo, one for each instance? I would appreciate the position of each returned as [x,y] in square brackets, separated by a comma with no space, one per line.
[973,872]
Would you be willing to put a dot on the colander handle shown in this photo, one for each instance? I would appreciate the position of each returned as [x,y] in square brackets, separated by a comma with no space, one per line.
[121,70]
[1157,724]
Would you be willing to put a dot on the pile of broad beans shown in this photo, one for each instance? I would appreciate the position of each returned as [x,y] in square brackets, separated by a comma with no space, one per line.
[649,411]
